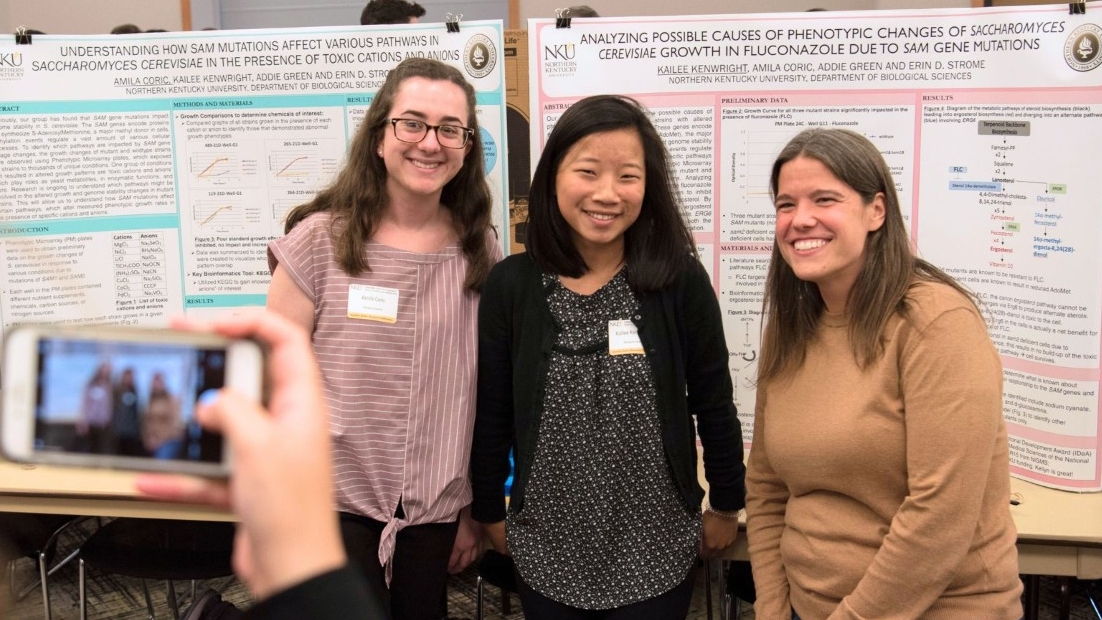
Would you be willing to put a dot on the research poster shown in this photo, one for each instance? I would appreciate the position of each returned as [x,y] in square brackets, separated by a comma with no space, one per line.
[990,120]
[142,176]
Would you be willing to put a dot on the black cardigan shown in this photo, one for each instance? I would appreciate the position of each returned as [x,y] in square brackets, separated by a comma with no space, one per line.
[681,330]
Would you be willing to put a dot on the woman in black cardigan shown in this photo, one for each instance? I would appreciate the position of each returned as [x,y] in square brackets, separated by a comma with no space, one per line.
[598,350]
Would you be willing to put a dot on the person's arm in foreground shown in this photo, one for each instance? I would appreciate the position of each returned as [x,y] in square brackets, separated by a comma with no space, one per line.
[288,549]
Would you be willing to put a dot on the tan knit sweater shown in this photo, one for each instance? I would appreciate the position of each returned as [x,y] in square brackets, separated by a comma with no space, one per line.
[884,493]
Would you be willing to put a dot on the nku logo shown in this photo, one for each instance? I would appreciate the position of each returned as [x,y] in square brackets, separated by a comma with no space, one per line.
[13,59]
[564,51]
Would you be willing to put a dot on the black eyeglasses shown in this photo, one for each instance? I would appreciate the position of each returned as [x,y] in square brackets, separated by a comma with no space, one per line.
[413,131]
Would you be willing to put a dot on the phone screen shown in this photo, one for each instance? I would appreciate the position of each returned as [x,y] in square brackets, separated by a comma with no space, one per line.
[125,399]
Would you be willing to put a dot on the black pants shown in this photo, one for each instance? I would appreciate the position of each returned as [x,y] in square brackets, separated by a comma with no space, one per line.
[418,587]
[669,606]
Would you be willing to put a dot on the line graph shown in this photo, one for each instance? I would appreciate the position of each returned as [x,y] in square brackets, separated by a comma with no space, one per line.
[220,168]
[293,164]
[214,166]
[217,213]
[222,210]
[223,214]
[302,162]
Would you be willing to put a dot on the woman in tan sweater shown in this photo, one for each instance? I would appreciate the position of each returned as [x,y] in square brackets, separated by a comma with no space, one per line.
[878,483]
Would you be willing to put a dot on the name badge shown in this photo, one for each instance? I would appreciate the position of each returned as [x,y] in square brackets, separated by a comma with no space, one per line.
[373,303]
[623,338]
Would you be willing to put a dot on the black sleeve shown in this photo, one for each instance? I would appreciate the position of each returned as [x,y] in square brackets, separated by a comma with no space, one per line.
[493,426]
[710,393]
[340,594]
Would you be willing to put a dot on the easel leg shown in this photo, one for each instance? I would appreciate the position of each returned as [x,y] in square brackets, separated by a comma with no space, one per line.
[1065,598]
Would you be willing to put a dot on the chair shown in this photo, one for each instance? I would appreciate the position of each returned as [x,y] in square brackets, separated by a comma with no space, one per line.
[707,566]
[496,569]
[740,587]
[36,536]
[1092,598]
[158,549]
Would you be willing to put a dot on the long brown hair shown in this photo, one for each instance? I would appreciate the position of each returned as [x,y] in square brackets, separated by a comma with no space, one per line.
[792,307]
[358,197]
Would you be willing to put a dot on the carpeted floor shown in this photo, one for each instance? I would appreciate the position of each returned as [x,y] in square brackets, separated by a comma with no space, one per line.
[121,598]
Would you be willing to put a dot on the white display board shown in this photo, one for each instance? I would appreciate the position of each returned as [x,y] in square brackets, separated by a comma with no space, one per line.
[991,122]
[142,176]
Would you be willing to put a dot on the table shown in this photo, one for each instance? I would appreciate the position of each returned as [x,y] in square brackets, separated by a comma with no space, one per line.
[90,492]
[1059,532]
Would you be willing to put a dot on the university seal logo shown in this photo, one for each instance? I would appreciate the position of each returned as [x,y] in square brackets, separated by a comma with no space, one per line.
[1081,50]
[480,56]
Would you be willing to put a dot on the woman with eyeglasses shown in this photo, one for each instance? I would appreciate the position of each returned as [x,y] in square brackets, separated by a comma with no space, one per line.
[383,268]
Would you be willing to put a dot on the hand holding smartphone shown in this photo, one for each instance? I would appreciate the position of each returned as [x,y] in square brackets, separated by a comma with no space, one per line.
[119,397]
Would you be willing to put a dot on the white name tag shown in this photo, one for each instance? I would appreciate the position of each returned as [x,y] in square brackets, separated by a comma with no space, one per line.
[623,338]
[373,303]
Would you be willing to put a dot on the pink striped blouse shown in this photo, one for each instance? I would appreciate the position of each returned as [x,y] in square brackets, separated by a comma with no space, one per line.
[401,395]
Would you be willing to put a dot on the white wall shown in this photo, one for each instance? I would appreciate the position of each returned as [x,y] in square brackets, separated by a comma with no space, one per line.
[621,8]
[206,14]
[88,16]
[100,16]
[291,13]
[928,4]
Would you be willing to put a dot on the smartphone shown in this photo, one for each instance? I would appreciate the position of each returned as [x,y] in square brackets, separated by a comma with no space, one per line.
[119,397]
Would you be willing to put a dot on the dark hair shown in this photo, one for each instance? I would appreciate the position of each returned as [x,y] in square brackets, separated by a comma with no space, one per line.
[125,29]
[792,307]
[580,10]
[358,196]
[390,12]
[655,245]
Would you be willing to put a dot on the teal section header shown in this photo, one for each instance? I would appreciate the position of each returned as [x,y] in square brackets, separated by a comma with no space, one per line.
[224,301]
[88,225]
